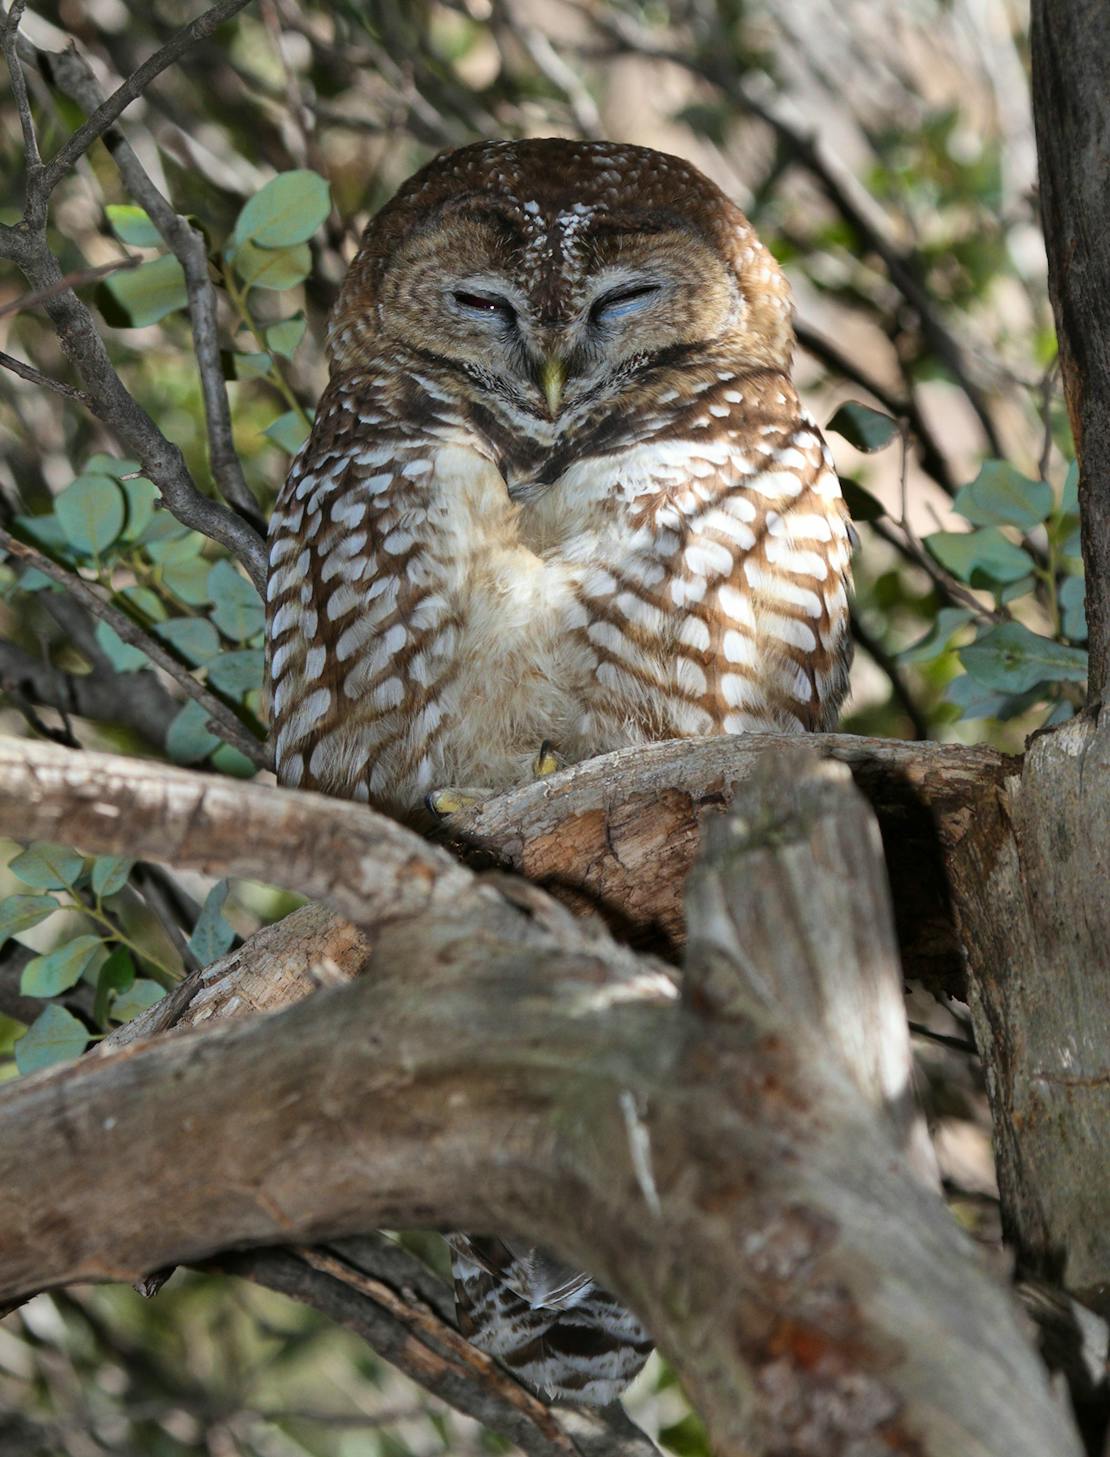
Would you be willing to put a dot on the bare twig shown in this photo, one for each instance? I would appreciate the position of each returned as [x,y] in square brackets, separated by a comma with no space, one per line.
[885,661]
[221,719]
[36,376]
[9,35]
[38,296]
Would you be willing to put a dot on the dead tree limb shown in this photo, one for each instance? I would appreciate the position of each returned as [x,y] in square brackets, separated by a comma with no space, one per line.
[731,1161]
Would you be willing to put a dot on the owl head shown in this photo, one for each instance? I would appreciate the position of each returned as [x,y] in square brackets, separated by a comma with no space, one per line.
[552,274]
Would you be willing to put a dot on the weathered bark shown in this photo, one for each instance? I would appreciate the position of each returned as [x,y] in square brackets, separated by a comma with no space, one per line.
[732,1161]
[1035,909]
[1070,45]
[620,833]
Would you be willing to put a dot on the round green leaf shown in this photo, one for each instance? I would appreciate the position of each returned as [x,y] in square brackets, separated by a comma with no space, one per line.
[91,512]
[982,558]
[272,267]
[47,866]
[132,225]
[247,366]
[188,580]
[54,1036]
[141,495]
[863,427]
[237,609]
[290,431]
[1011,659]
[188,740]
[287,210]
[109,874]
[237,673]
[283,338]
[137,998]
[194,638]
[46,976]
[1001,496]
[21,912]
[948,621]
[150,292]
[228,760]
[122,656]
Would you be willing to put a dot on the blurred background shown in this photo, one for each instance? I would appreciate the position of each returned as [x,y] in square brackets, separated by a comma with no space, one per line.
[883,149]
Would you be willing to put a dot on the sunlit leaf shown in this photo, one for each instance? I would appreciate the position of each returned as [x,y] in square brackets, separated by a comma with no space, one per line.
[137,998]
[91,511]
[54,1036]
[132,225]
[272,267]
[46,976]
[188,580]
[21,912]
[147,293]
[287,210]
[290,431]
[246,366]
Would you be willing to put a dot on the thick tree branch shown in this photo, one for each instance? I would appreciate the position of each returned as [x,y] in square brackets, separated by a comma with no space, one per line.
[729,1163]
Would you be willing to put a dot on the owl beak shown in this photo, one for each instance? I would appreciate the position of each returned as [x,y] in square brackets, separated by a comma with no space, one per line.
[553,377]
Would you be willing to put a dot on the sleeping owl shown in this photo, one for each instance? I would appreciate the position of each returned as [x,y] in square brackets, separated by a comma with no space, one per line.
[560,497]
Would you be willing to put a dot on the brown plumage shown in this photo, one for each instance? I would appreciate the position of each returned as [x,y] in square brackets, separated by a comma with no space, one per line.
[560,487]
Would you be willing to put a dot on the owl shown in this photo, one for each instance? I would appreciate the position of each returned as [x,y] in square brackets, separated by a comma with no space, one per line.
[560,497]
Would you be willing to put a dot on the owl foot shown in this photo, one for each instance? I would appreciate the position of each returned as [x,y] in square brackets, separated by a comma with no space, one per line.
[546,762]
[444,802]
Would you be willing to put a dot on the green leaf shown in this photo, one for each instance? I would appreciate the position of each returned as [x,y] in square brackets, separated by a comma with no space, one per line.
[122,656]
[949,620]
[150,292]
[1011,659]
[272,267]
[862,504]
[132,225]
[290,431]
[1001,496]
[21,912]
[141,495]
[91,512]
[116,975]
[687,1437]
[54,1036]
[981,558]
[284,337]
[287,210]
[194,638]
[45,530]
[188,580]
[975,701]
[246,366]
[1072,609]
[237,673]
[109,874]
[863,427]
[212,935]
[188,740]
[146,602]
[237,609]
[178,549]
[47,866]
[137,998]
[46,976]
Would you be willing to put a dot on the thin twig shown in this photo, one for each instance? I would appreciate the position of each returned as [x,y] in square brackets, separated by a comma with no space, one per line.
[221,719]
[35,376]
[9,33]
[886,662]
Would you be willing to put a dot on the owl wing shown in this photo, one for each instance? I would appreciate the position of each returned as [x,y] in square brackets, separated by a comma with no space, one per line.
[722,602]
[550,1324]
[359,625]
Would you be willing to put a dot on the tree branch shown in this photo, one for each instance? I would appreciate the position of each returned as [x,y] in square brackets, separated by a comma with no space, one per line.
[730,1162]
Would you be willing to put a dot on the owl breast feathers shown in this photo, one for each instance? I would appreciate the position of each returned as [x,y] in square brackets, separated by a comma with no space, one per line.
[560,487]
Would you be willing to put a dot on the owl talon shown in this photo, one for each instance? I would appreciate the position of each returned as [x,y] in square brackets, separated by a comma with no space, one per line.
[546,761]
[444,802]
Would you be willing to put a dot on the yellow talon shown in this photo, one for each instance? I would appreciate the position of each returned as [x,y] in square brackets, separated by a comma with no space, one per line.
[444,802]
[546,761]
